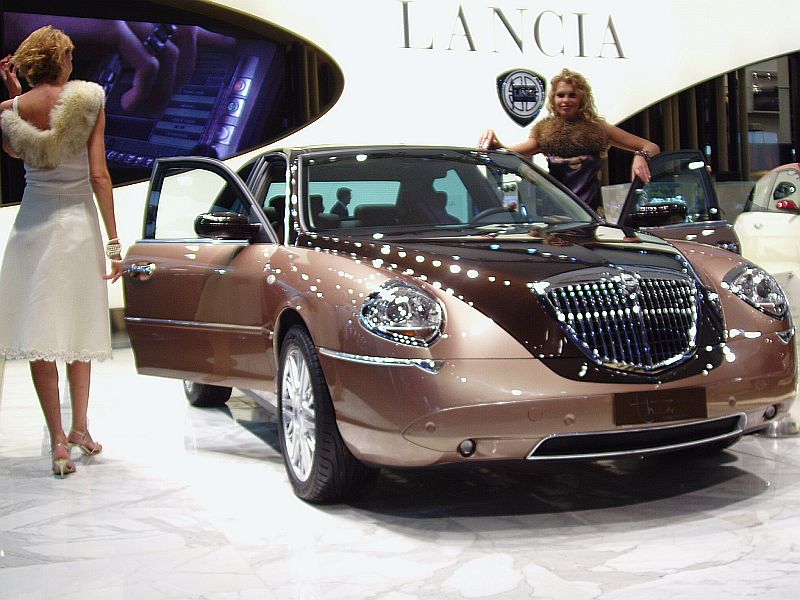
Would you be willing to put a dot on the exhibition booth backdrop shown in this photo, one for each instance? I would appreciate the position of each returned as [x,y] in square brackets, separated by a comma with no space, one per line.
[390,71]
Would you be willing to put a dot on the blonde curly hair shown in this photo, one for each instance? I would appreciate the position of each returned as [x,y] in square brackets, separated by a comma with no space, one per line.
[41,56]
[587,109]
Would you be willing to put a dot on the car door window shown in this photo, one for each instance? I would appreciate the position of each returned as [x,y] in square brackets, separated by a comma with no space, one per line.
[267,182]
[680,180]
[367,197]
[677,177]
[187,193]
[361,192]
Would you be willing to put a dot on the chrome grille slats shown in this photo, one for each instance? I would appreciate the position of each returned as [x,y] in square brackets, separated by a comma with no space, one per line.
[643,321]
[670,306]
[623,327]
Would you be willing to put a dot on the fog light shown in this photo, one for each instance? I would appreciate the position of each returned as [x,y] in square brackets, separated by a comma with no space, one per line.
[769,413]
[466,448]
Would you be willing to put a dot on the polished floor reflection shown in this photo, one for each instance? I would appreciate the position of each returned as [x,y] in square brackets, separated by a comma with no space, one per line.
[193,503]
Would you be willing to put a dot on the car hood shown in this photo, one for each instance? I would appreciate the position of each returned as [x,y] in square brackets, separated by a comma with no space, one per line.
[499,272]
[527,255]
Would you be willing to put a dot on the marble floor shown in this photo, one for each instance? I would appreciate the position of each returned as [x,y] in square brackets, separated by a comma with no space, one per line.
[188,503]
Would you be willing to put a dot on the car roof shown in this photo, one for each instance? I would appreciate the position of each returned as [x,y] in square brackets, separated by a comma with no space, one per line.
[795,166]
[399,148]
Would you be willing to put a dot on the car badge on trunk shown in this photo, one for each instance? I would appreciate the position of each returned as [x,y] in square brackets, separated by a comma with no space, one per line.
[521,94]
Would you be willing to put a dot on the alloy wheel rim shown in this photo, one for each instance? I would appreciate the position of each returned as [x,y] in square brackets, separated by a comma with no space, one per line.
[299,424]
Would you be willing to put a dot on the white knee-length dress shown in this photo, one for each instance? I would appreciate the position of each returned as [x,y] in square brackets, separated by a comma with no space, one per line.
[53,298]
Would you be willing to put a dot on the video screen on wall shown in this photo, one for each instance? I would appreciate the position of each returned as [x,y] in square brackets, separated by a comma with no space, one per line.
[172,88]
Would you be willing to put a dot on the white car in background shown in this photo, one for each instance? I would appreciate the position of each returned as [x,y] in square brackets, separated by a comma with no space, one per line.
[769,228]
[769,233]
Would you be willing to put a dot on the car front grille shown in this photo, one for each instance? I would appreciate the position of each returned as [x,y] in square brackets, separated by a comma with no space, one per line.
[642,322]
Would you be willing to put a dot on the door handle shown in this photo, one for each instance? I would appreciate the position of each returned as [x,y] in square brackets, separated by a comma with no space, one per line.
[758,225]
[139,271]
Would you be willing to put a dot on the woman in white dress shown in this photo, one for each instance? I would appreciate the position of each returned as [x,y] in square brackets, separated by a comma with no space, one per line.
[53,297]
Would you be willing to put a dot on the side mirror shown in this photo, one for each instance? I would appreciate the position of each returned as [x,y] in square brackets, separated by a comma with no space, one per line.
[225,226]
[657,215]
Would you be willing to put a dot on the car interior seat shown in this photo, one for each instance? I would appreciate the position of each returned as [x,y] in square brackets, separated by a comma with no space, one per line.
[275,210]
[438,210]
[315,205]
[372,215]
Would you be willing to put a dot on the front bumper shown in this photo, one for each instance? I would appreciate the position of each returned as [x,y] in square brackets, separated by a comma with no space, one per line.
[408,416]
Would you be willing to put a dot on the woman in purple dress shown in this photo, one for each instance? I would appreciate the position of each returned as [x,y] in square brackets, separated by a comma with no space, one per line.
[574,139]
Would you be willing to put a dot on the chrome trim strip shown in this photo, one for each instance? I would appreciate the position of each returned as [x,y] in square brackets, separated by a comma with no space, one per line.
[426,364]
[247,329]
[786,335]
[616,454]
[706,225]
[206,241]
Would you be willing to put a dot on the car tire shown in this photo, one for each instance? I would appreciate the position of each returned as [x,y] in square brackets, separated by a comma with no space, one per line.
[320,467]
[205,396]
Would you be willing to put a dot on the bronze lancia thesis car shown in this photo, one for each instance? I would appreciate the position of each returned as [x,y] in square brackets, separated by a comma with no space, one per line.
[415,306]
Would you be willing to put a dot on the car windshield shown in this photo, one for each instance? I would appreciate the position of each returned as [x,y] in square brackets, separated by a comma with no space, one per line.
[429,190]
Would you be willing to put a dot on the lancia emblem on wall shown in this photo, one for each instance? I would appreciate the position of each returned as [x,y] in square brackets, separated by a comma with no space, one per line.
[521,93]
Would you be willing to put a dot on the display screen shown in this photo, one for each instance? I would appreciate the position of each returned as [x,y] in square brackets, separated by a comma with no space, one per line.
[172,89]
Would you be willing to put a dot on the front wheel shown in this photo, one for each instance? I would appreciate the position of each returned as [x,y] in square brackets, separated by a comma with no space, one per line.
[319,465]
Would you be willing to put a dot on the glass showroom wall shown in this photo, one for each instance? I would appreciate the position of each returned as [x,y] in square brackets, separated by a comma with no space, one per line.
[745,122]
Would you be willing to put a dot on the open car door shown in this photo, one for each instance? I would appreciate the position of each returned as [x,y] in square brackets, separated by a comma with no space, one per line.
[679,202]
[189,287]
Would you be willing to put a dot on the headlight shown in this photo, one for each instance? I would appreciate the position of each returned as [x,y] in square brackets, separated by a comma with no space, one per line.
[403,313]
[757,287]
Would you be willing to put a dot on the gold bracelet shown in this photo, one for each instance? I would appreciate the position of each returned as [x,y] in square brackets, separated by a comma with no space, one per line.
[113,249]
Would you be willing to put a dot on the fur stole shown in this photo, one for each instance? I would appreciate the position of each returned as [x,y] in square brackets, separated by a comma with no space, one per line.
[559,137]
[71,122]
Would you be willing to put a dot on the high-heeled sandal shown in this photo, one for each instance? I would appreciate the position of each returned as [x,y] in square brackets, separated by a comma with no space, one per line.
[62,466]
[96,447]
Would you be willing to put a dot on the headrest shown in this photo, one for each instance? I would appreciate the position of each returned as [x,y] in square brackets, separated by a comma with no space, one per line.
[315,204]
[325,220]
[277,201]
[376,214]
[439,199]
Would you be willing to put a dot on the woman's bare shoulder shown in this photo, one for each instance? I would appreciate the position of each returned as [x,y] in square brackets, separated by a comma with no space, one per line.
[35,106]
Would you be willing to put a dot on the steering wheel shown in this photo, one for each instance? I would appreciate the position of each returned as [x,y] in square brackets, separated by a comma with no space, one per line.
[496,210]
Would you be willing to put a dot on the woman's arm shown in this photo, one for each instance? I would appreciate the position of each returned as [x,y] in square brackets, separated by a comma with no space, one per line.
[489,141]
[6,105]
[8,73]
[645,149]
[527,147]
[102,187]
[7,148]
